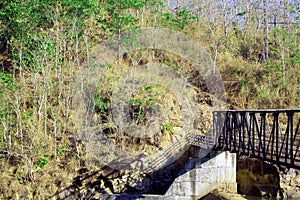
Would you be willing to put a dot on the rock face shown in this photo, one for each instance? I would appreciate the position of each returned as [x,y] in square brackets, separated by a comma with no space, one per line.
[258,178]
[290,183]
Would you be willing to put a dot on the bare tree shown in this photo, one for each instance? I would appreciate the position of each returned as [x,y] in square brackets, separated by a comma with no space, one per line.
[265,19]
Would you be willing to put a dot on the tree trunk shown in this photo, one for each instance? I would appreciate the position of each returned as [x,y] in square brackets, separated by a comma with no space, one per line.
[265,11]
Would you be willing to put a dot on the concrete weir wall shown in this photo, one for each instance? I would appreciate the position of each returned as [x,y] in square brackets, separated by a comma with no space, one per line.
[217,172]
[198,178]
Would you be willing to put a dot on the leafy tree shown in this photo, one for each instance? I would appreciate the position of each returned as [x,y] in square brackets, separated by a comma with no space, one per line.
[25,24]
[117,16]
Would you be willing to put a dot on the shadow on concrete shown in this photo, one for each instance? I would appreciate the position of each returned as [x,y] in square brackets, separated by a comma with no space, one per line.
[92,184]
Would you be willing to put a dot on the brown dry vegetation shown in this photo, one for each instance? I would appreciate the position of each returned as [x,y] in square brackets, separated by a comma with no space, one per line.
[42,140]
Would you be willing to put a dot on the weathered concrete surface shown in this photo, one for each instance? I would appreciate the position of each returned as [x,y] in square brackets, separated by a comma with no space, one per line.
[198,178]
[218,172]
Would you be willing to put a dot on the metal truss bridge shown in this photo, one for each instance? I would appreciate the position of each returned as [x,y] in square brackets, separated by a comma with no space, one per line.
[271,135]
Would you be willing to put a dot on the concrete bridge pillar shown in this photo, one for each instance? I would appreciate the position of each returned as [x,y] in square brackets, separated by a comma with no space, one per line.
[217,172]
[197,178]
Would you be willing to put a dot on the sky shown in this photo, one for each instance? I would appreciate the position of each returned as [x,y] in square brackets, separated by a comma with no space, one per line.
[232,8]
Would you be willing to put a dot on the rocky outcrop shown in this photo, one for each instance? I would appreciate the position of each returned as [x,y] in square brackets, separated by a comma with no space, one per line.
[290,183]
[259,178]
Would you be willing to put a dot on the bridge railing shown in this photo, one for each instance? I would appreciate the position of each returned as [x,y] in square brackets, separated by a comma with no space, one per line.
[272,135]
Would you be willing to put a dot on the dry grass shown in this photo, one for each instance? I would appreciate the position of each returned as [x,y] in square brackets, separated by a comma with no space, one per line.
[43,118]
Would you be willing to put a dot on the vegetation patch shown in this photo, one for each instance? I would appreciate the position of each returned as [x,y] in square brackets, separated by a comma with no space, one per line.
[45,47]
